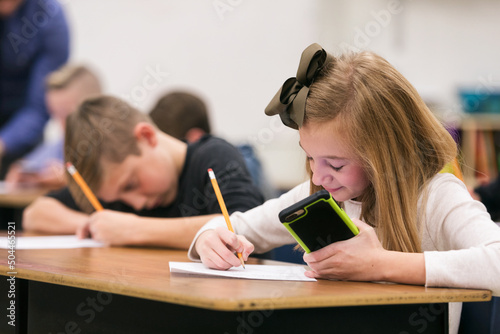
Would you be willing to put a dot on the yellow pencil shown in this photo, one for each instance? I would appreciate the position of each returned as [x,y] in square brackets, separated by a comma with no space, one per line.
[223,207]
[83,185]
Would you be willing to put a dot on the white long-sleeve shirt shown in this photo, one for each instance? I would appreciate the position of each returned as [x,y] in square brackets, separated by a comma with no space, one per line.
[461,243]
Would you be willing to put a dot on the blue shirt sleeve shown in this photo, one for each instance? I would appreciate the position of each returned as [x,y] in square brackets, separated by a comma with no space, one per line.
[26,127]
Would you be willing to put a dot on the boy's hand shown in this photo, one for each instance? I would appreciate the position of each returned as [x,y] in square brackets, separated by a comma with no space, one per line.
[217,248]
[14,174]
[110,227]
[356,259]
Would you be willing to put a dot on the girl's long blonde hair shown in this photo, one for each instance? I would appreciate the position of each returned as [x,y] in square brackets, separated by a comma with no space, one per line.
[400,142]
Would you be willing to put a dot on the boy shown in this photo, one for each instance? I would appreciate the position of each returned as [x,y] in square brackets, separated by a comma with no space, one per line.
[159,183]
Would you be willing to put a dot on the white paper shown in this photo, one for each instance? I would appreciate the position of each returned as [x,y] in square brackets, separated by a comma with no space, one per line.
[251,271]
[49,242]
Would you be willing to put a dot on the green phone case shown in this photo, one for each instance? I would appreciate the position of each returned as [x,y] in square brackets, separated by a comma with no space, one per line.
[317,221]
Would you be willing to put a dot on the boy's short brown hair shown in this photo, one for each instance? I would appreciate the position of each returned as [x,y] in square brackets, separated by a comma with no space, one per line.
[178,112]
[101,128]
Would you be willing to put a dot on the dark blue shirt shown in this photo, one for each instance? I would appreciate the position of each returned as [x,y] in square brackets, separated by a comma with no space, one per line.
[195,194]
[34,41]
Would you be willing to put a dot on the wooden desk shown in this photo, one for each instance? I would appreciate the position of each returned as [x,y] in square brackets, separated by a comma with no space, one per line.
[20,198]
[130,290]
[13,202]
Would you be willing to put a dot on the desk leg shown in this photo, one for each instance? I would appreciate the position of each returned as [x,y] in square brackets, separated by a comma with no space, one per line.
[8,214]
[57,309]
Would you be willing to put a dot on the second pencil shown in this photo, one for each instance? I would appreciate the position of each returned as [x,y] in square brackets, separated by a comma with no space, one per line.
[223,207]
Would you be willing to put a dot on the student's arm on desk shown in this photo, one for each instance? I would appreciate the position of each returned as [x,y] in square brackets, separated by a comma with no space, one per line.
[48,215]
[127,229]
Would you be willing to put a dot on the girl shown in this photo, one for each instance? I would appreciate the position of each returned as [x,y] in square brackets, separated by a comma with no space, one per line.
[374,145]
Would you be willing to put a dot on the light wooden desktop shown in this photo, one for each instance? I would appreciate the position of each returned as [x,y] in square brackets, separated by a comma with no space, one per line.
[20,198]
[132,290]
[13,202]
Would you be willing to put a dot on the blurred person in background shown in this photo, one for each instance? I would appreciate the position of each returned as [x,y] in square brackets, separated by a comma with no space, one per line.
[34,41]
[66,88]
[489,194]
[184,116]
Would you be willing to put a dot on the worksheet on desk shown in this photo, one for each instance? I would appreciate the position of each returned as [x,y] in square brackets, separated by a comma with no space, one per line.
[251,271]
[49,242]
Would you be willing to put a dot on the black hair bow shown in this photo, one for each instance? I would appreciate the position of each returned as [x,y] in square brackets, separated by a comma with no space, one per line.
[290,101]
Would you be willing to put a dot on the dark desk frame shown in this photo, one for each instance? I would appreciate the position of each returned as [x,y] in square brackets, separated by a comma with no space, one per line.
[73,310]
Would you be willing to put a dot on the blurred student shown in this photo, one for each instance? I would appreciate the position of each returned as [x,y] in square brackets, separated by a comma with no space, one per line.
[489,194]
[34,41]
[185,116]
[66,88]
[155,188]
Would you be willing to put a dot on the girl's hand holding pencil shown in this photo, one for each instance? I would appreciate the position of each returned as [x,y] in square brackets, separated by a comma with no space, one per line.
[217,247]
[225,213]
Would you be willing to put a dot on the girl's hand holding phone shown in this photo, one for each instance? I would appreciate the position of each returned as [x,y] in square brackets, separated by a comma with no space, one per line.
[357,259]
[217,248]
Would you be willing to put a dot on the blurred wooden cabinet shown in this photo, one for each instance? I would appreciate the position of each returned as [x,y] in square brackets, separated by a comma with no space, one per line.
[479,147]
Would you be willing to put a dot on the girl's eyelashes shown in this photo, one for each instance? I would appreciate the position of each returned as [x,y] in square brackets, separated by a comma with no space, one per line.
[336,168]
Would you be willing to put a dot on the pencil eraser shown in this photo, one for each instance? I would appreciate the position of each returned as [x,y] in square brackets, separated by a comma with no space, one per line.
[211,173]
[71,169]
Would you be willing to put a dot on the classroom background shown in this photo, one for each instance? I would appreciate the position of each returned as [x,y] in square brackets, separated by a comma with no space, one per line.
[235,54]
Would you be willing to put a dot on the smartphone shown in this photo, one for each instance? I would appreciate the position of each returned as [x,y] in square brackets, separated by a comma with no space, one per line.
[317,221]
